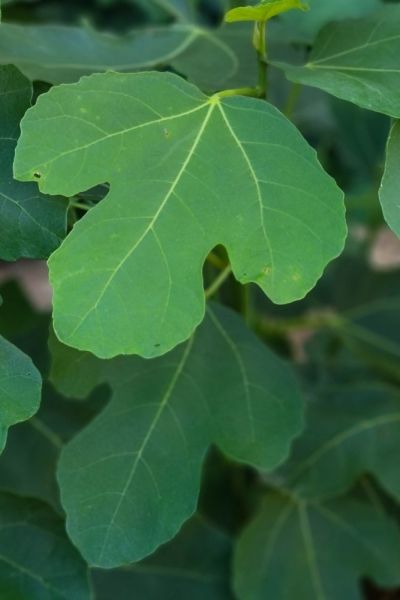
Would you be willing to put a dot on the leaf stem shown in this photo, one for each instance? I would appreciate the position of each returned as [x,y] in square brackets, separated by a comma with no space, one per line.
[80,205]
[218,282]
[246,91]
[216,261]
[260,43]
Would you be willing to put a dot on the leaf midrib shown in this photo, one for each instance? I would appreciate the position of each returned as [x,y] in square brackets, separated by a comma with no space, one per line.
[154,219]
[163,403]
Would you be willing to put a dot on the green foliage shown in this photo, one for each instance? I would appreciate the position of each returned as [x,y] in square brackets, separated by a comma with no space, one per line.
[20,388]
[319,550]
[199,155]
[263,11]
[357,60]
[218,388]
[212,410]
[37,561]
[390,184]
[32,225]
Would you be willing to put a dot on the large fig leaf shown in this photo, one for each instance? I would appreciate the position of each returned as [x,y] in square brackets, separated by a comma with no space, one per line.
[357,60]
[295,550]
[351,431]
[131,478]
[187,172]
[60,54]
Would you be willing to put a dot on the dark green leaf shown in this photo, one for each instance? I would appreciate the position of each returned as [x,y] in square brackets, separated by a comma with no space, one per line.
[131,478]
[37,561]
[20,388]
[293,550]
[195,565]
[351,430]
[31,224]
[357,60]
[390,189]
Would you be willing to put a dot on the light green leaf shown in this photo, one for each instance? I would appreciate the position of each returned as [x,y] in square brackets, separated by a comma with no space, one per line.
[351,430]
[210,171]
[357,60]
[31,225]
[20,388]
[292,550]
[59,54]
[37,561]
[131,478]
[195,565]
[264,10]
[390,189]
[321,13]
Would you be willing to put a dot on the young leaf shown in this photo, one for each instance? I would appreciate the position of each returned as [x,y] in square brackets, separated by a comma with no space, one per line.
[20,388]
[315,551]
[131,478]
[357,60]
[59,54]
[31,224]
[351,430]
[187,172]
[195,565]
[390,189]
[37,561]
[264,10]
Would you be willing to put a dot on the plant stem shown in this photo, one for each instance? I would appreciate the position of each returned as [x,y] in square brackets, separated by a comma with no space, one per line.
[218,282]
[260,38]
[247,91]
[292,99]
[80,205]
[216,261]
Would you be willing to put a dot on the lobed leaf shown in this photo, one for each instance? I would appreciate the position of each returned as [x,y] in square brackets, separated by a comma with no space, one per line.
[61,54]
[351,430]
[20,388]
[187,172]
[357,60]
[131,478]
[31,224]
[316,551]
[389,191]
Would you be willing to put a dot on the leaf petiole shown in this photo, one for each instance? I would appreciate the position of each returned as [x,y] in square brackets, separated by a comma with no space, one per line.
[218,282]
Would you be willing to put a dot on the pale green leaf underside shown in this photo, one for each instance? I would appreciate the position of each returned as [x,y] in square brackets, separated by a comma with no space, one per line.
[131,478]
[315,552]
[59,54]
[37,561]
[31,224]
[20,388]
[350,432]
[187,173]
[357,60]
[390,189]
